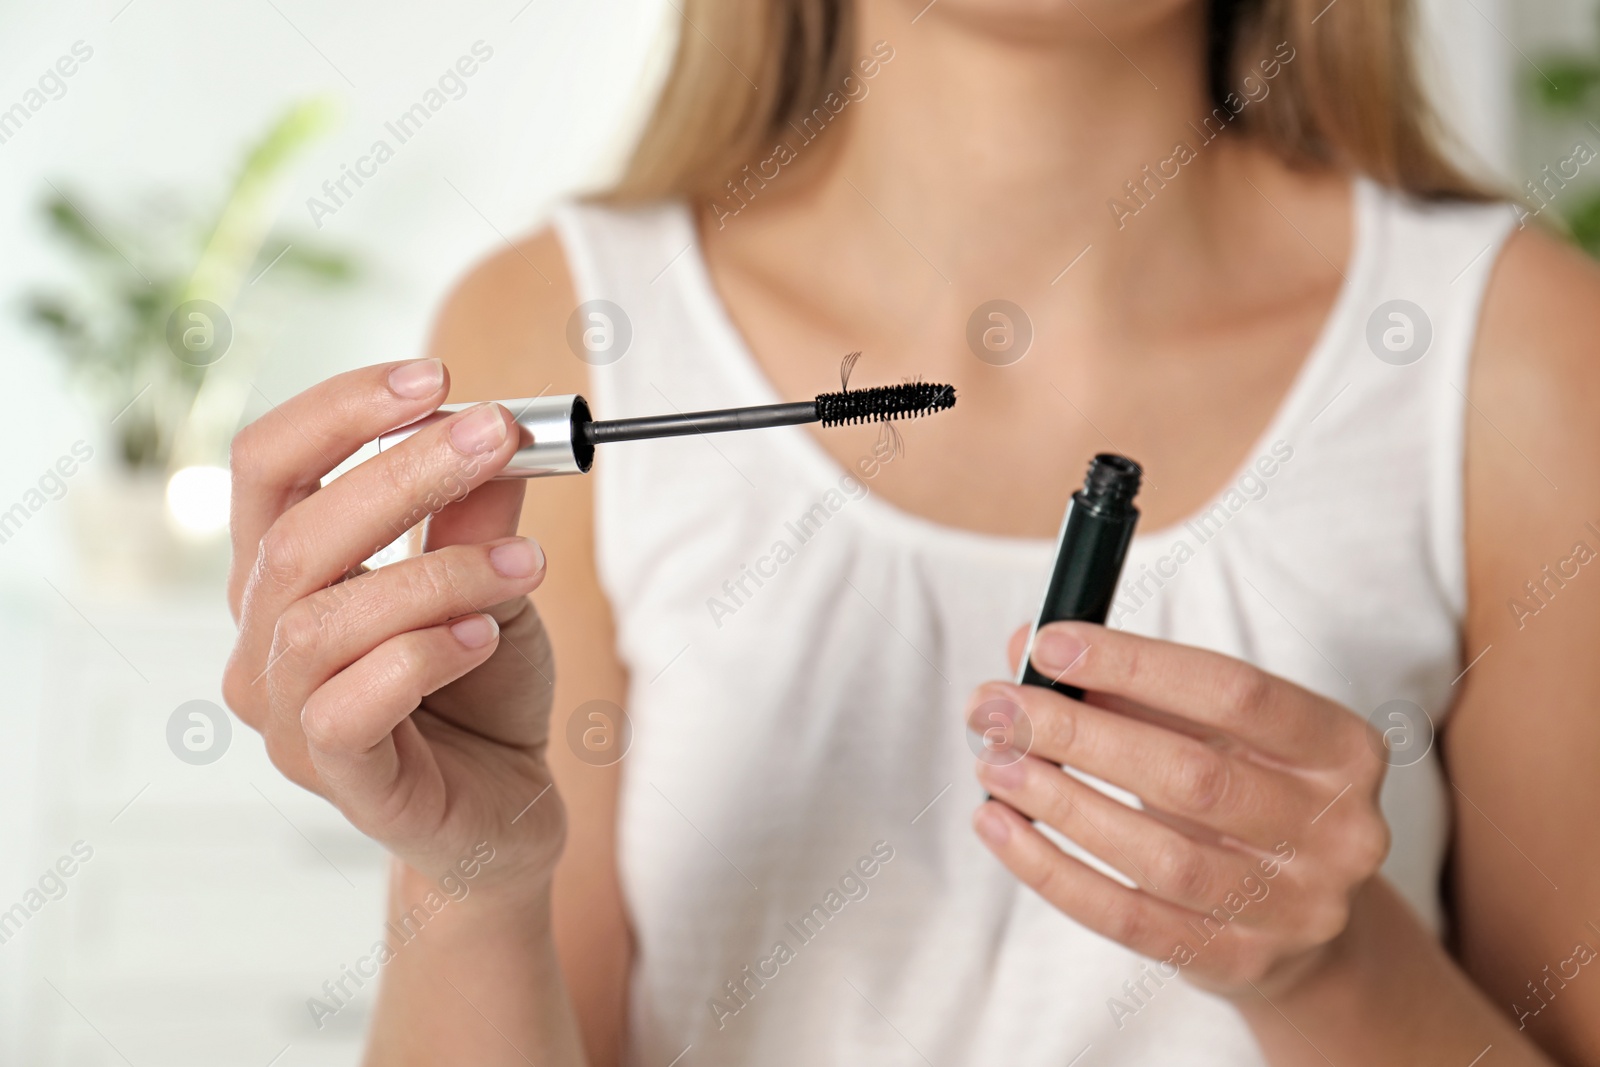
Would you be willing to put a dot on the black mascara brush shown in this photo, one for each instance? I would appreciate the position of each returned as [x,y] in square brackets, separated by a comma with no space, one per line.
[559,434]
[879,404]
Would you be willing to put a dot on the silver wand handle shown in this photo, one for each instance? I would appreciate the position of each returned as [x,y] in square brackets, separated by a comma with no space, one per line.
[551,430]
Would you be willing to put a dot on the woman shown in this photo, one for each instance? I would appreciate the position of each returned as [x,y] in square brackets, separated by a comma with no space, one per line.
[1349,670]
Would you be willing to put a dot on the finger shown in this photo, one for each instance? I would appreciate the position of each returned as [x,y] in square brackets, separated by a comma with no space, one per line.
[1166,770]
[1016,646]
[282,457]
[1149,926]
[324,536]
[492,510]
[1218,691]
[1157,857]
[322,634]
[359,734]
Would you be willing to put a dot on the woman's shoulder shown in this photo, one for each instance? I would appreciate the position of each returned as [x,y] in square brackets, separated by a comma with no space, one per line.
[1532,431]
[1535,374]
[501,329]
[1542,310]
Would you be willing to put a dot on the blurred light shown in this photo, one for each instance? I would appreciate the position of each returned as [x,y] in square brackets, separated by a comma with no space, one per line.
[197,499]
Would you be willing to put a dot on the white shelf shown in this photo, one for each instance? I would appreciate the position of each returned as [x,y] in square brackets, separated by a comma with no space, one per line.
[218,898]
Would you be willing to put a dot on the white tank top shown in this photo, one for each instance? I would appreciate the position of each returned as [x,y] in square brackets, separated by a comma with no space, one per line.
[794,838]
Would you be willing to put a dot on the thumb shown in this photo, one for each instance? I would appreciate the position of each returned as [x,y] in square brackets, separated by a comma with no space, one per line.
[1016,647]
[488,513]
[507,698]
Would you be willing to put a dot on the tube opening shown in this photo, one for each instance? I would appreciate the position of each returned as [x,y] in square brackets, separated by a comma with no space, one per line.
[1112,481]
[582,443]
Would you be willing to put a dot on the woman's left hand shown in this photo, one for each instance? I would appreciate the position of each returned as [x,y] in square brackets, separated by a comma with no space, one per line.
[1261,817]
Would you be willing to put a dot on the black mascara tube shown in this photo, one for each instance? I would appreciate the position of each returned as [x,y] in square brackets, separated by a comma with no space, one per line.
[1094,539]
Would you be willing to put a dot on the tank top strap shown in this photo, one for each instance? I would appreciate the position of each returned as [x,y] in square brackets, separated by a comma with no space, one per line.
[1391,404]
[628,266]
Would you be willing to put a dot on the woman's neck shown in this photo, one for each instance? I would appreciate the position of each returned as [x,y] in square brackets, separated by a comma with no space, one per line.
[983,143]
[970,161]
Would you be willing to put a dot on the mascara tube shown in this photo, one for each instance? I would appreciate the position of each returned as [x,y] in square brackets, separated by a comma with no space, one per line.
[1094,539]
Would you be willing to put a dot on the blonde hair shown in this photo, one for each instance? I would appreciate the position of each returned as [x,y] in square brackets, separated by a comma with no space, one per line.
[1350,98]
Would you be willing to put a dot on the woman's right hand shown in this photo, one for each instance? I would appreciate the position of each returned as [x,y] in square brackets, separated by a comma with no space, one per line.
[416,697]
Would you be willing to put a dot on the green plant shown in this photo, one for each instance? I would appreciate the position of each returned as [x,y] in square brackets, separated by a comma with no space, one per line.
[1567,88]
[110,328]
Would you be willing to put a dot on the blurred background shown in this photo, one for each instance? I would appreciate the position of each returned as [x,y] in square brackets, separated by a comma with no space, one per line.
[166,898]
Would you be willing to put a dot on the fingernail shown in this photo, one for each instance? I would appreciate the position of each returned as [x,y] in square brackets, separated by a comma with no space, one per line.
[475,631]
[993,826]
[517,559]
[417,379]
[479,430]
[1002,775]
[1057,650]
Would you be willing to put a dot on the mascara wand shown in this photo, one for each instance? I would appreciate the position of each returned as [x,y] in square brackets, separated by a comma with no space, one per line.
[559,434]
[879,404]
